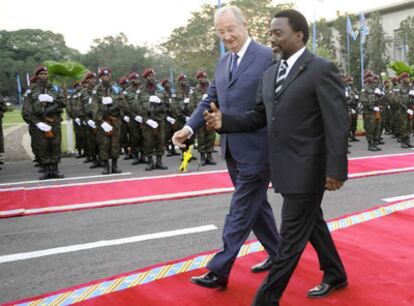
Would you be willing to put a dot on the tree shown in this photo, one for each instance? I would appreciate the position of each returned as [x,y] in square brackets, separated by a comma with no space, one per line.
[407,36]
[324,40]
[22,51]
[65,73]
[116,53]
[377,45]
[196,46]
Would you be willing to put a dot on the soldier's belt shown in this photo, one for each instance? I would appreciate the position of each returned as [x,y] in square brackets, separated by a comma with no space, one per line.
[50,120]
[110,119]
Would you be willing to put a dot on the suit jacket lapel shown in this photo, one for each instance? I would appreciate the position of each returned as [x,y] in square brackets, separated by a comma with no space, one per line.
[227,66]
[296,70]
[247,59]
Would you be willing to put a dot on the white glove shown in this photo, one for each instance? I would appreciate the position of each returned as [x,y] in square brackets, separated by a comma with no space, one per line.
[45,98]
[154,99]
[78,122]
[170,120]
[410,112]
[205,96]
[187,100]
[356,97]
[106,100]
[346,93]
[43,126]
[378,91]
[91,123]
[353,112]
[138,119]
[106,127]
[411,92]
[376,109]
[126,119]
[187,118]
[84,123]
[152,123]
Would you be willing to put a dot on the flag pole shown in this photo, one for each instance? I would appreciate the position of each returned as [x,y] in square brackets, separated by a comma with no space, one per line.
[348,50]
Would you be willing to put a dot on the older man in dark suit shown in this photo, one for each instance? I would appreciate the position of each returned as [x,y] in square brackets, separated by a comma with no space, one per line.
[235,84]
[301,99]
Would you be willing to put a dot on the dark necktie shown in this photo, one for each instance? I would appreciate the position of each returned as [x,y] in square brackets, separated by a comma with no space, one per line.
[281,76]
[234,65]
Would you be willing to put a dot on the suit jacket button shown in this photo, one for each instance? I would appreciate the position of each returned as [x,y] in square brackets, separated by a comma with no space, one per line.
[273,118]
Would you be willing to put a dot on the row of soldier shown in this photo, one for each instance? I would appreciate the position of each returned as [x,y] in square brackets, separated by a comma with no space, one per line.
[386,108]
[140,118]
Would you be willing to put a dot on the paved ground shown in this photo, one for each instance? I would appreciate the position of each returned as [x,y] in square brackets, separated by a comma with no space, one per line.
[34,276]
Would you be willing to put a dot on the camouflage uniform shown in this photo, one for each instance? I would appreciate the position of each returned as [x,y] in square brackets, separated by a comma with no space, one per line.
[3,109]
[49,113]
[125,140]
[108,114]
[352,98]
[371,115]
[171,121]
[80,133]
[405,104]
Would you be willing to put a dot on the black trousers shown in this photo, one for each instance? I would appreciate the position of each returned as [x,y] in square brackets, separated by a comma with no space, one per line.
[302,221]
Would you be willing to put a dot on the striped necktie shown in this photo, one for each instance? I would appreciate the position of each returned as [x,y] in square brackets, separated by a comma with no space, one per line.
[281,76]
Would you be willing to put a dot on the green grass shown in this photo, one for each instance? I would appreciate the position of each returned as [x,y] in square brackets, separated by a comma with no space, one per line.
[12,118]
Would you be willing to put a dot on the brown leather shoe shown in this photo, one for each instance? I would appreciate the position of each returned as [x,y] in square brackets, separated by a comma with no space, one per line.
[262,266]
[323,289]
[211,280]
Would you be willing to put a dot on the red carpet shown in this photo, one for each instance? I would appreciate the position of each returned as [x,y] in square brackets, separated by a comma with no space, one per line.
[37,200]
[378,256]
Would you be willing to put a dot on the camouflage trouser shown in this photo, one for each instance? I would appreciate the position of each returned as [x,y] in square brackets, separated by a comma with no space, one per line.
[154,140]
[353,122]
[406,124]
[386,119]
[137,137]
[80,136]
[48,148]
[125,140]
[205,140]
[1,136]
[169,132]
[371,126]
[91,142]
[109,145]
[33,143]
[395,122]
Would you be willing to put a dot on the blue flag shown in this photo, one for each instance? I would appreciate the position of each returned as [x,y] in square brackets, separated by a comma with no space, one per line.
[349,29]
[363,27]
[19,84]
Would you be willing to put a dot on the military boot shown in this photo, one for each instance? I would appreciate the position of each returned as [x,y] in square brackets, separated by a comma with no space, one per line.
[353,136]
[371,146]
[375,142]
[88,159]
[150,165]
[142,158]
[79,155]
[136,159]
[105,167]
[210,160]
[203,159]
[115,166]
[54,173]
[95,163]
[46,172]
[159,165]
[408,142]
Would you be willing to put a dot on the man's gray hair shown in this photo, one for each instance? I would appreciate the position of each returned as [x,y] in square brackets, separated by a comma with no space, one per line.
[230,8]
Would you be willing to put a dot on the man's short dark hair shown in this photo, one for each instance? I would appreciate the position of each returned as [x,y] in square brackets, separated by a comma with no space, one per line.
[297,21]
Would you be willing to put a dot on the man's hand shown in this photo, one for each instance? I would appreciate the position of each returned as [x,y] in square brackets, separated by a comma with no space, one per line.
[213,118]
[180,137]
[333,184]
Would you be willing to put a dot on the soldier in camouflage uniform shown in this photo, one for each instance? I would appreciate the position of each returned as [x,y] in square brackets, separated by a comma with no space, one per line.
[71,101]
[183,106]
[370,97]
[154,118]
[107,106]
[26,111]
[170,126]
[352,98]
[84,111]
[46,114]
[386,114]
[134,117]
[205,137]
[125,132]
[3,109]
[406,110]
[394,112]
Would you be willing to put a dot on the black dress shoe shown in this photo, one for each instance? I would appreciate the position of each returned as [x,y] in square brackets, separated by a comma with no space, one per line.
[262,266]
[211,280]
[324,289]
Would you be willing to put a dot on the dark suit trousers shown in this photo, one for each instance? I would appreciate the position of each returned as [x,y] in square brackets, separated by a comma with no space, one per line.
[302,221]
[249,210]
